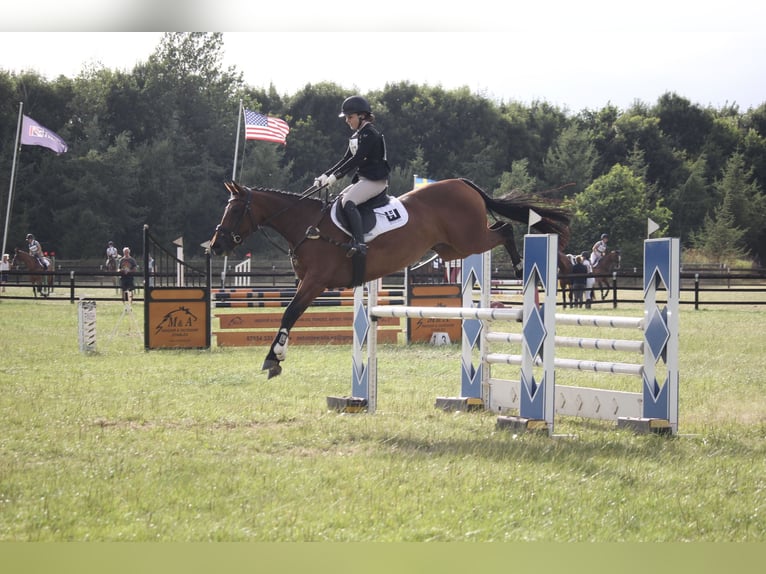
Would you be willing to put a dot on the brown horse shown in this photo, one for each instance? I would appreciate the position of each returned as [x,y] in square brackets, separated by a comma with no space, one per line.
[41,278]
[603,271]
[449,217]
[565,263]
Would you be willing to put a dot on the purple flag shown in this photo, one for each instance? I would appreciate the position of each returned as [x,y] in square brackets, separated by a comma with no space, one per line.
[33,133]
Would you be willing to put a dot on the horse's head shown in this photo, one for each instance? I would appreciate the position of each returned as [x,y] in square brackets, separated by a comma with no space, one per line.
[617,259]
[18,258]
[237,222]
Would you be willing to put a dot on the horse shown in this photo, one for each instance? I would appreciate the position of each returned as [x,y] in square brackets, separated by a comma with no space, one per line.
[111,264]
[450,217]
[605,266]
[565,264]
[41,278]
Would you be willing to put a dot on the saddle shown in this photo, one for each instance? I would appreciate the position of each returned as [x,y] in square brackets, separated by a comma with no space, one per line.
[366,210]
[379,214]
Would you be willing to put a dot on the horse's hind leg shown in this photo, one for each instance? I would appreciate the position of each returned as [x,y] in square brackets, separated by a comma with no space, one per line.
[505,230]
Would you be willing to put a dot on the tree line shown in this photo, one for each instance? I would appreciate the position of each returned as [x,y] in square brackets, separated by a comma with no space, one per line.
[153,145]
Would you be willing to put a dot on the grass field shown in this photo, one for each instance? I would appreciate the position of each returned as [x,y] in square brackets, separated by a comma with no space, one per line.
[129,445]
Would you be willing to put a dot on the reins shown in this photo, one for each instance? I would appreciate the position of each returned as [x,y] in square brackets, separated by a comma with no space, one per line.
[312,232]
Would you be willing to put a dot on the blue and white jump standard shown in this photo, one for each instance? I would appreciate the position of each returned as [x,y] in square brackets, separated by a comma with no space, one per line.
[655,408]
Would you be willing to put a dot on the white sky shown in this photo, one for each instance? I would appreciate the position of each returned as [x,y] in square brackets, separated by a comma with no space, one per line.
[575,55]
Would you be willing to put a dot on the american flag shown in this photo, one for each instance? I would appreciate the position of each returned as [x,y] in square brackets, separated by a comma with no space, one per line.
[260,127]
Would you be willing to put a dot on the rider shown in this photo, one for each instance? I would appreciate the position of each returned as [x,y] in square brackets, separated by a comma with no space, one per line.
[36,250]
[111,254]
[366,154]
[599,249]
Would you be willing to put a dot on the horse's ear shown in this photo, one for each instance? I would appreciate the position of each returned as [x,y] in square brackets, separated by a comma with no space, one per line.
[229,185]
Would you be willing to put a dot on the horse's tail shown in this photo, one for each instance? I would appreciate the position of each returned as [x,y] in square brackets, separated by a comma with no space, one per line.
[516,206]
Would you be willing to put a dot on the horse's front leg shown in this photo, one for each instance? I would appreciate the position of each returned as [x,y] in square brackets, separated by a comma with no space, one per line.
[278,350]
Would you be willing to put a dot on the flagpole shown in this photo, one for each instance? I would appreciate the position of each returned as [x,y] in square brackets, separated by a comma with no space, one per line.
[13,178]
[236,146]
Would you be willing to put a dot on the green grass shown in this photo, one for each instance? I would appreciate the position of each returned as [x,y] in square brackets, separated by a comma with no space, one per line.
[129,445]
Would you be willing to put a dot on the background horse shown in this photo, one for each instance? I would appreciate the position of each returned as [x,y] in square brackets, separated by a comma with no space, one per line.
[606,265]
[449,217]
[565,264]
[42,279]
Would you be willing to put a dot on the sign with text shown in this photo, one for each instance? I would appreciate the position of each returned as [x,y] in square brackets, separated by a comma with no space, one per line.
[177,318]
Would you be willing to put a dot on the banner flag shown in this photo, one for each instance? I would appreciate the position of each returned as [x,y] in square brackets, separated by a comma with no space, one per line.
[33,133]
[534,217]
[421,181]
[651,227]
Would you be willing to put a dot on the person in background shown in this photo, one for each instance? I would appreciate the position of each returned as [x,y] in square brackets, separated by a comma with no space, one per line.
[589,281]
[599,249]
[579,270]
[128,267]
[366,157]
[36,250]
[112,255]
[5,266]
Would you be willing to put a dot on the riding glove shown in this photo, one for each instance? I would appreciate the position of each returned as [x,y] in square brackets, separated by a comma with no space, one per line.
[325,180]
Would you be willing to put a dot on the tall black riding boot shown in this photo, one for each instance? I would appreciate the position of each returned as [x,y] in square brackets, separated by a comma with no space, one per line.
[355,223]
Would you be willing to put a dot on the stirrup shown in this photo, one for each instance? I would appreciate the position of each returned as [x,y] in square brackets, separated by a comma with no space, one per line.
[355,248]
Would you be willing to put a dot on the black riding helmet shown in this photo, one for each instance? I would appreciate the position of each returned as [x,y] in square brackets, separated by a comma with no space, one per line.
[354,105]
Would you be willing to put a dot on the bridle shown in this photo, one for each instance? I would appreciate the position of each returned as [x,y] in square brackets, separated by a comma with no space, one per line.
[233,236]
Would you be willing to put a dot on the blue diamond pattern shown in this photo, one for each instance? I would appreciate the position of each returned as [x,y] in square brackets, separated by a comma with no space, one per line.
[534,331]
[472,330]
[657,263]
[361,324]
[656,334]
[535,257]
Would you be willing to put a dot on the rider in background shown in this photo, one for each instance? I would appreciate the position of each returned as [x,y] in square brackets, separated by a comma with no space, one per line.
[111,255]
[599,249]
[366,156]
[36,250]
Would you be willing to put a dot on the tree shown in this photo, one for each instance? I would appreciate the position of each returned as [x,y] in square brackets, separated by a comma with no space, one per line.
[719,239]
[746,202]
[617,204]
[571,160]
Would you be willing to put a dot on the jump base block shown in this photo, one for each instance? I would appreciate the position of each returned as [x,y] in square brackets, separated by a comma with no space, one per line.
[347,404]
[459,404]
[645,425]
[520,424]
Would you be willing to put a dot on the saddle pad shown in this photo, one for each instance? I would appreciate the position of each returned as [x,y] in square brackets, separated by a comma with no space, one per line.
[388,217]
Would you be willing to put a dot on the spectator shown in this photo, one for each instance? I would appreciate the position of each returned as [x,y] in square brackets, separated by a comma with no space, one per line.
[5,266]
[590,282]
[128,267]
[579,271]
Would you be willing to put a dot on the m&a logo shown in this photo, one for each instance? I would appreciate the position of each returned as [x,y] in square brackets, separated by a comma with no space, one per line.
[178,319]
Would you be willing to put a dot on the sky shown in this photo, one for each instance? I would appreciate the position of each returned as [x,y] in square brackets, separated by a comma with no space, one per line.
[575,55]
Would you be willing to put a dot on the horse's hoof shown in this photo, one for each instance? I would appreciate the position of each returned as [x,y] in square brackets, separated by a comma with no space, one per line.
[274,368]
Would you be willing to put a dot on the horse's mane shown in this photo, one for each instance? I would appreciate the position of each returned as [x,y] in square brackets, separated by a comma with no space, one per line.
[289,194]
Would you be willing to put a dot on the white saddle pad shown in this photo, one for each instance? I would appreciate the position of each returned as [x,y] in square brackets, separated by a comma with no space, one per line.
[391,216]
